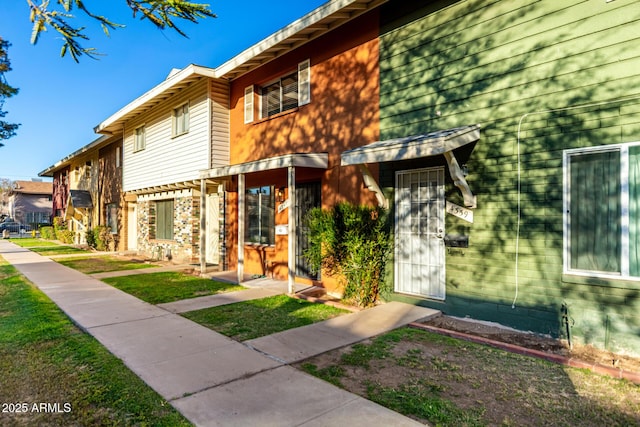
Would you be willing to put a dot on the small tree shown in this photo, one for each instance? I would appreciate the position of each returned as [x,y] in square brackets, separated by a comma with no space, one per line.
[352,242]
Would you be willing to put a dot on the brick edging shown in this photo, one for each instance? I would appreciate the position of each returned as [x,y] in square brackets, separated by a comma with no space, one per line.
[561,360]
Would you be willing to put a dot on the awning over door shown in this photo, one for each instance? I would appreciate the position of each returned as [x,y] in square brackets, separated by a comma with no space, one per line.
[412,147]
[80,199]
[287,161]
[442,142]
[304,160]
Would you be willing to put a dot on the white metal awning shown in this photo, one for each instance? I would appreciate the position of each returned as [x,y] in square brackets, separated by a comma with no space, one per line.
[412,147]
[442,142]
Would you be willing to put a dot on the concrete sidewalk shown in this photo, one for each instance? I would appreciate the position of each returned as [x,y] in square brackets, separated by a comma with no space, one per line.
[211,379]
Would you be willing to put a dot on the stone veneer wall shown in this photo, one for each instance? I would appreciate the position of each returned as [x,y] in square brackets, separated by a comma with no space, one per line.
[185,246]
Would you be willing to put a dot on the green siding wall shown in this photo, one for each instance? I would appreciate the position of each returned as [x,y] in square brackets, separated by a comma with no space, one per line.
[569,72]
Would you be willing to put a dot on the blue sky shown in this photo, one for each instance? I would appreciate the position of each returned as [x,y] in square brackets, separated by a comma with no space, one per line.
[60,101]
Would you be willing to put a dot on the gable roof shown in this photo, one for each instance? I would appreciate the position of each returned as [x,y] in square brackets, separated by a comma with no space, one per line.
[32,187]
[98,143]
[177,80]
[320,21]
[314,24]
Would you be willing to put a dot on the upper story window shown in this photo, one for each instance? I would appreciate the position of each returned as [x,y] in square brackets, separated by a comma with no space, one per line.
[181,120]
[140,142]
[602,211]
[286,93]
[118,157]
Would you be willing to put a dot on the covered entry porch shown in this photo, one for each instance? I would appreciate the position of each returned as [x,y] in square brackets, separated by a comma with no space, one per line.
[263,209]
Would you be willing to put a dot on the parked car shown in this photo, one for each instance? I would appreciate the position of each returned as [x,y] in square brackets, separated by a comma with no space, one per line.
[14,226]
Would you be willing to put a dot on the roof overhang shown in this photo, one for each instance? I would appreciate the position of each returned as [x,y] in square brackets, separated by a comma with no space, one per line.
[80,199]
[174,83]
[66,161]
[412,147]
[305,160]
[442,142]
[177,186]
[316,23]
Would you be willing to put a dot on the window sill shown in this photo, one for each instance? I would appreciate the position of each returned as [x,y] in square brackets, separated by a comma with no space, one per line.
[276,116]
[610,281]
[263,246]
[162,241]
[178,135]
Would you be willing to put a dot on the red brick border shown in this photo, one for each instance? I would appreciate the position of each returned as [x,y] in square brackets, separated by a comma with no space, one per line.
[561,360]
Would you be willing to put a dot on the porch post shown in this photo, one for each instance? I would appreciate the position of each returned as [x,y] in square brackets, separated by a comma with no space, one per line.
[203,226]
[241,202]
[291,264]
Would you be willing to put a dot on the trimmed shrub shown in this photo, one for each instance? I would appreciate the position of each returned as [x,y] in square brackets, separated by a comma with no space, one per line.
[47,233]
[65,236]
[100,238]
[352,242]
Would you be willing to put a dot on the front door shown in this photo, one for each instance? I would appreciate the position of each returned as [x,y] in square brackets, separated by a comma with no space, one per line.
[212,244]
[307,198]
[419,232]
[132,227]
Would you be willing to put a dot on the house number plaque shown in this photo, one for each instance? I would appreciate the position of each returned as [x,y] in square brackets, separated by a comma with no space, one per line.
[459,212]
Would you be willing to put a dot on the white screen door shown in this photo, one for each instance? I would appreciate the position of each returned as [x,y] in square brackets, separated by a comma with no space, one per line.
[419,232]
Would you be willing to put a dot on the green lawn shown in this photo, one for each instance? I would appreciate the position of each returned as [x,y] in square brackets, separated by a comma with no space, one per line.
[252,319]
[58,250]
[44,358]
[157,288]
[29,242]
[101,264]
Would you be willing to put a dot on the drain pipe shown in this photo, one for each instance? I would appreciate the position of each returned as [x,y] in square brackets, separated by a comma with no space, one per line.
[568,323]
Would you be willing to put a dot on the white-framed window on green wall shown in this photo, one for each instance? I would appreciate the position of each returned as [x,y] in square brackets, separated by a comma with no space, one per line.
[602,211]
[260,215]
[164,219]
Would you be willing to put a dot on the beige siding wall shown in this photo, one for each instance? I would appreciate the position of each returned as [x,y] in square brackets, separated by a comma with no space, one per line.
[167,159]
[219,123]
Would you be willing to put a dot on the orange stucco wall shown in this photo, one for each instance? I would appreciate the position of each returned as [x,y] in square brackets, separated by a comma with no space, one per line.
[342,114]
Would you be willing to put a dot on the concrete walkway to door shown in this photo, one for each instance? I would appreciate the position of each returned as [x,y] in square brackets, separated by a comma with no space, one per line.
[211,379]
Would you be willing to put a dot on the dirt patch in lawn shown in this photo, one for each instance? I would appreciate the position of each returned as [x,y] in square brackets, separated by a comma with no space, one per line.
[443,381]
[584,353]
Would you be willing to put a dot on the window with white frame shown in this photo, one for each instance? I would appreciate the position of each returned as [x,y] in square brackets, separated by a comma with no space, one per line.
[140,142]
[602,211]
[287,92]
[260,215]
[181,120]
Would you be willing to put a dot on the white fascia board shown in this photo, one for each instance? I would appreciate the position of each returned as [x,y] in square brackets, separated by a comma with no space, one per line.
[296,26]
[174,79]
[310,160]
[412,147]
[97,143]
